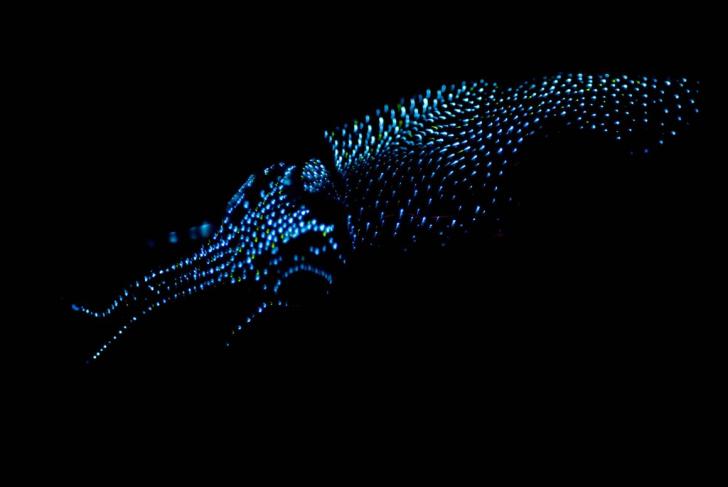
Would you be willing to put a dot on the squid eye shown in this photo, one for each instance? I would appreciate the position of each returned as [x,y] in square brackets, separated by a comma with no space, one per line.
[315,177]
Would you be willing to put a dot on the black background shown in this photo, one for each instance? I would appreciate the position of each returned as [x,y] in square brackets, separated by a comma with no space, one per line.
[583,308]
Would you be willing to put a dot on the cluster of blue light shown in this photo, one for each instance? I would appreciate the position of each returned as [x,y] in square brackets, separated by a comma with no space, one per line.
[436,162]
[316,178]
[432,164]
[261,219]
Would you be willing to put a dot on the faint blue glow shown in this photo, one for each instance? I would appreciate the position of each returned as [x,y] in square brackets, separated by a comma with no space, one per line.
[205,230]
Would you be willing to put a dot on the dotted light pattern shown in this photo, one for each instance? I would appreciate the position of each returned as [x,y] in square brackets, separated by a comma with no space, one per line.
[436,162]
[432,165]
[263,217]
